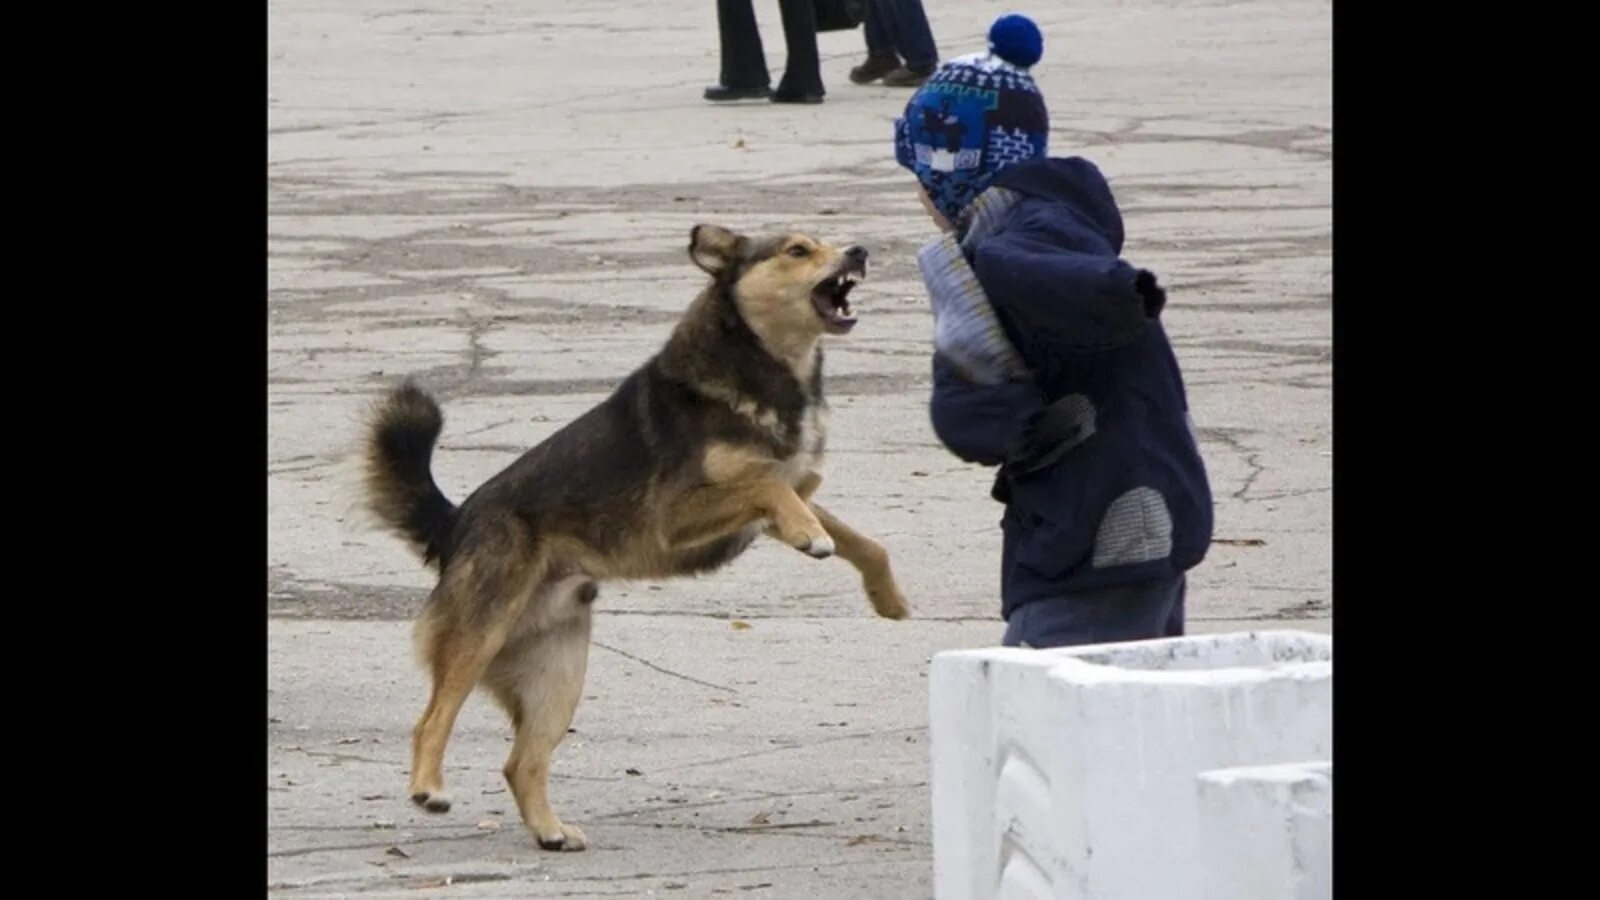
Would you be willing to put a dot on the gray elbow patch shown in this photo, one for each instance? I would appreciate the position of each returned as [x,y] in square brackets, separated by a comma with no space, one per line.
[1078,415]
[1137,528]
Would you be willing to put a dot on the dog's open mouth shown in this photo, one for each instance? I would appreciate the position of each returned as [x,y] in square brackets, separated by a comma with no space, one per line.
[832,296]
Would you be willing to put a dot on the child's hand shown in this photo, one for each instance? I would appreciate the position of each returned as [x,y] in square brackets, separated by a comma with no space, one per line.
[1154,297]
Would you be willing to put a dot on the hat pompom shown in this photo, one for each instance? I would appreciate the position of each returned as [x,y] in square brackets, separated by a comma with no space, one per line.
[1016,39]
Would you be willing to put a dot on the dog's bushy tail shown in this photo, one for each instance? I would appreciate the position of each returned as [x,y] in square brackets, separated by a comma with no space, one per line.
[399,475]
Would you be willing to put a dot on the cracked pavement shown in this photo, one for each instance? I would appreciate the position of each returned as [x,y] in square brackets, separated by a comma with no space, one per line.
[496,197]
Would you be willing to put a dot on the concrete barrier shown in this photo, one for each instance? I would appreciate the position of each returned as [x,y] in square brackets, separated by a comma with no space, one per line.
[1072,773]
[1266,832]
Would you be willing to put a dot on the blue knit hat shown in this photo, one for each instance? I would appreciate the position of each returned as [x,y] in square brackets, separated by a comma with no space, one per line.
[976,115]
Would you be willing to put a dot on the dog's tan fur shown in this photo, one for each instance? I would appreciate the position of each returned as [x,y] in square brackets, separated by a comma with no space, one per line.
[712,442]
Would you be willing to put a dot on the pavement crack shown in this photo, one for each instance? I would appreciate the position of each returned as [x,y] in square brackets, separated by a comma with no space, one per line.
[796,746]
[376,845]
[1253,460]
[663,670]
[339,757]
[785,829]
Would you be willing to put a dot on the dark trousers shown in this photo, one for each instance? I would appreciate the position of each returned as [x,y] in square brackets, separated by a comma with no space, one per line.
[744,64]
[1133,612]
[900,28]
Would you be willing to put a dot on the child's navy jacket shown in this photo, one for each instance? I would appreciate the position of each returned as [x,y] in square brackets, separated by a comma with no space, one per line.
[1100,471]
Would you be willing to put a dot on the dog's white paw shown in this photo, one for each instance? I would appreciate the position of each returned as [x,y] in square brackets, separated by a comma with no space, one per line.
[819,547]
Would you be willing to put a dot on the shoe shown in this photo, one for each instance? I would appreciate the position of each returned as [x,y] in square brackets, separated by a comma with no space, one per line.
[874,68]
[720,93]
[904,77]
[796,97]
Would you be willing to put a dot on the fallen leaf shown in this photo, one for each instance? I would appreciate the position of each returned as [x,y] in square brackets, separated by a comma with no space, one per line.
[372,796]
[396,851]
[756,886]
[739,144]
[632,771]
[761,818]
[860,839]
[674,885]
[827,212]
[740,625]
[919,473]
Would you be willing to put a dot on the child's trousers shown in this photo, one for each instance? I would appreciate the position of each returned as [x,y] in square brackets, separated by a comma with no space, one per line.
[1132,612]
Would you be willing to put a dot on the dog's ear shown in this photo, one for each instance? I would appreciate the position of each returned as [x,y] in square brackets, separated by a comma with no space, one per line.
[714,248]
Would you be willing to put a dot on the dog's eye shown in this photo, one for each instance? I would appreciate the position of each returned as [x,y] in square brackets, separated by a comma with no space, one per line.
[799,251]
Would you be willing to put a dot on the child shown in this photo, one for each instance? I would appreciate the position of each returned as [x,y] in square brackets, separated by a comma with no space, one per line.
[1050,361]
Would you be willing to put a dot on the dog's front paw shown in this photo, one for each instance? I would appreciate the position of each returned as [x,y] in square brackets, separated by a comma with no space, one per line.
[820,547]
[566,837]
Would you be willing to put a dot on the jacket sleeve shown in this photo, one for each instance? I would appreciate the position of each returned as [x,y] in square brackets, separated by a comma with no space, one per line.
[981,423]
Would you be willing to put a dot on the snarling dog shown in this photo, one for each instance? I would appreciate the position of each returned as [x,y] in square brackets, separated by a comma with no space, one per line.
[713,441]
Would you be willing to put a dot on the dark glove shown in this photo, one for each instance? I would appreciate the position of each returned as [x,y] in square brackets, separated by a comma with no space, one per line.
[1155,299]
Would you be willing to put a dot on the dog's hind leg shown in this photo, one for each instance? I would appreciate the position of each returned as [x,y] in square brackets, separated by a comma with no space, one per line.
[871,560]
[465,626]
[539,679]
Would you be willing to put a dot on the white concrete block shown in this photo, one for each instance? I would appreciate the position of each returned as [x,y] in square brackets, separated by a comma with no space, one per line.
[1071,773]
[1266,832]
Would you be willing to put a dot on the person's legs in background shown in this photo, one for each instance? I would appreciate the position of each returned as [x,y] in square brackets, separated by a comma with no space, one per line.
[802,73]
[744,64]
[881,56]
[913,39]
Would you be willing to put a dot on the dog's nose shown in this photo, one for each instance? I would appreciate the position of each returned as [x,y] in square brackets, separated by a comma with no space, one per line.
[857,253]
